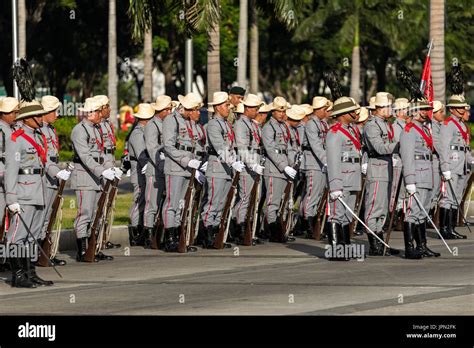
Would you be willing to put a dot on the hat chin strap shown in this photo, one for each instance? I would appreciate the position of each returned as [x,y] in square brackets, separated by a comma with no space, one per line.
[39,125]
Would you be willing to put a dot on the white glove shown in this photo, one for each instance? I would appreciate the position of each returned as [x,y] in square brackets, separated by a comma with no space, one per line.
[411,189]
[129,173]
[335,195]
[363,168]
[290,172]
[14,208]
[204,167]
[257,168]
[200,177]
[447,175]
[238,166]
[395,161]
[118,173]
[144,168]
[194,163]
[109,174]
[162,156]
[63,175]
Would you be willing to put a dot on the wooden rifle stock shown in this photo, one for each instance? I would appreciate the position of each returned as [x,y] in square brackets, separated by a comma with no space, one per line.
[184,221]
[157,227]
[2,228]
[319,213]
[95,228]
[250,212]
[392,213]
[108,209]
[463,200]
[221,235]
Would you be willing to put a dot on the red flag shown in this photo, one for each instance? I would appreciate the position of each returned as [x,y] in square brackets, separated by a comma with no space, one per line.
[426,86]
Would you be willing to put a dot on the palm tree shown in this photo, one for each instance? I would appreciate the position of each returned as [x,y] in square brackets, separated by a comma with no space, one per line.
[242,44]
[112,61]
[213,61]
[437,11]
[355,66]
[148,66]
[253,47]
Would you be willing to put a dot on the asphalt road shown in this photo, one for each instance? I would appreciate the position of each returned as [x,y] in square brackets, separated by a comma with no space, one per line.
[269,279]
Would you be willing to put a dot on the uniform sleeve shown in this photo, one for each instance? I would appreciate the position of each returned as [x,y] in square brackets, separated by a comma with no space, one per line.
[242,141]
[375,141]
[79,141]
[169,141]
[12,166]
[334,143]
[446,136]
[138,147]
[278,159]
[214,135]
[151,142]
[316,143]
[407,153]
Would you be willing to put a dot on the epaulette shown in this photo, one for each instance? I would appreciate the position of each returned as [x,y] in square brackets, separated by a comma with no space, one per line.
[17,133]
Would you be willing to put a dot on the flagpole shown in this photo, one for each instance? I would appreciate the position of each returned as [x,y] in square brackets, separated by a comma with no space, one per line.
[430,46]
[15,41]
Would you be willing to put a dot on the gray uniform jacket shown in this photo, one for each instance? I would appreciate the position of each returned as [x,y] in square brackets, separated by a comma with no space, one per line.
[154,145]
[200,140]
[248,140]
[89,158]
[22,156]
[454,152]
[295,145]
[5,135]
[314,146]
[378,138]
[416,156]
[343,156]
[277,143]
[178,145]
[109,140]
[220,138]
[52,167]
[137,152]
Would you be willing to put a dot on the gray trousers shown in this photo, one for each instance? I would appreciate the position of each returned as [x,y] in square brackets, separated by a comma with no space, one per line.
[448,200]
[436,192]
[337,212]
[33,217]
[155,186]
[275,188]
[312,193]
[377,195]
[176,187]
[413,212]
[86,209]
[138,205]
[397,171]
[218,190]
[241,207]
[49,195]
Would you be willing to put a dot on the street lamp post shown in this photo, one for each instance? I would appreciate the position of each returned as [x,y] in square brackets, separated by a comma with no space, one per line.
[188,66]
[15,41]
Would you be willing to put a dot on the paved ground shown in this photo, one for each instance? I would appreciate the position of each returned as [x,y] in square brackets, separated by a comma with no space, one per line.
[264,280]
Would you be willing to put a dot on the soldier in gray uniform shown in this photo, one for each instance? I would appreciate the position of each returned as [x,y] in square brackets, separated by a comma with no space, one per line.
[90,167]
[343,169]
[416,145]
[25,160]
[179,147]
[139,160]
[315,163]
[380,143]
[249,148]
[455,157]
[276,140]
[155,175]
[220,170]
[53,171]
[436,124]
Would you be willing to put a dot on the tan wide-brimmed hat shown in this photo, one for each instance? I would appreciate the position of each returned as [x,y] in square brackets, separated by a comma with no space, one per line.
[371,105]
[30,109]
[239,109]
[265,108]
[401,103]
[280,103]
[145,111]
[320,102]
[331,105]
[296,113]
[307,108]
[219,98]
[50,103]
[363,115]
[252,100]
[162,102]
[383,99]
[8,104]
[419,105]
[343,105]
[457,101]
[190,101]
[102,99]
[437,105]
[90,105]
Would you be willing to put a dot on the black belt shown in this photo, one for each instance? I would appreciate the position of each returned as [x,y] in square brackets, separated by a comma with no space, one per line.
[54,159]
[109,151]
[283,152]
[99,160]
[251,150]
[350,160]
[31,171]
[201,153]
[424,157]
[133,158]
[387,157]
[459,148]
[185,148]
[212,152]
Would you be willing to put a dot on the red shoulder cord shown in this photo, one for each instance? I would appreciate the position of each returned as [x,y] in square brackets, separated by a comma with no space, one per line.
[338,127]
[39,150]
[428,139]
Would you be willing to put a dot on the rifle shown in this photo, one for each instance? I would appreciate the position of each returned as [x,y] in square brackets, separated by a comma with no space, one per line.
[158,226]
[186,214]
[286,206]
[317,226]
[2,227]
[465,196]
[251,210]
[392,212]
[358,206]
[108,211]
[226,214]
[93,246]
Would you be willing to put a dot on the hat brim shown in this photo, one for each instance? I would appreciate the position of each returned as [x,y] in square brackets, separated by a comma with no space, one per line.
[297,118]
[454,105]
[370,107]
[161,108]
[344,111]
[254,105]
[142,117]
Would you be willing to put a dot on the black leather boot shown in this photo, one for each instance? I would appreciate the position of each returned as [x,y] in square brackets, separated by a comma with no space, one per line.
[239,234]
[110,245]
[373,246]
[58,262]
[301,227]
[444,221]
[274,230]
[30,266]
[334,237]
[134,235]
[19,274]
[380,246]
[427,252]
[346,235]
[102,256]
[170,244]
[81,249]
[453,223]
[147,237]
[408,232]
[308,225]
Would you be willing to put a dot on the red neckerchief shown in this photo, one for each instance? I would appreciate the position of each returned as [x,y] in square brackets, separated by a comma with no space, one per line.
[356,131]
[390,131]
[230,132]
[54,141]
[325,126]
[202,136]
[288,135]
[111,134]
[297,137]
[255,132]
[338,127]
[465,135]
[101,143]
[428,139]
[189,127]
[41,151]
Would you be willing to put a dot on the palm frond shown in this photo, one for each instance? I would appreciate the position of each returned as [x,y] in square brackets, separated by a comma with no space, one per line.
[456,80]
[24,79]
[411,83]
[286,11]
